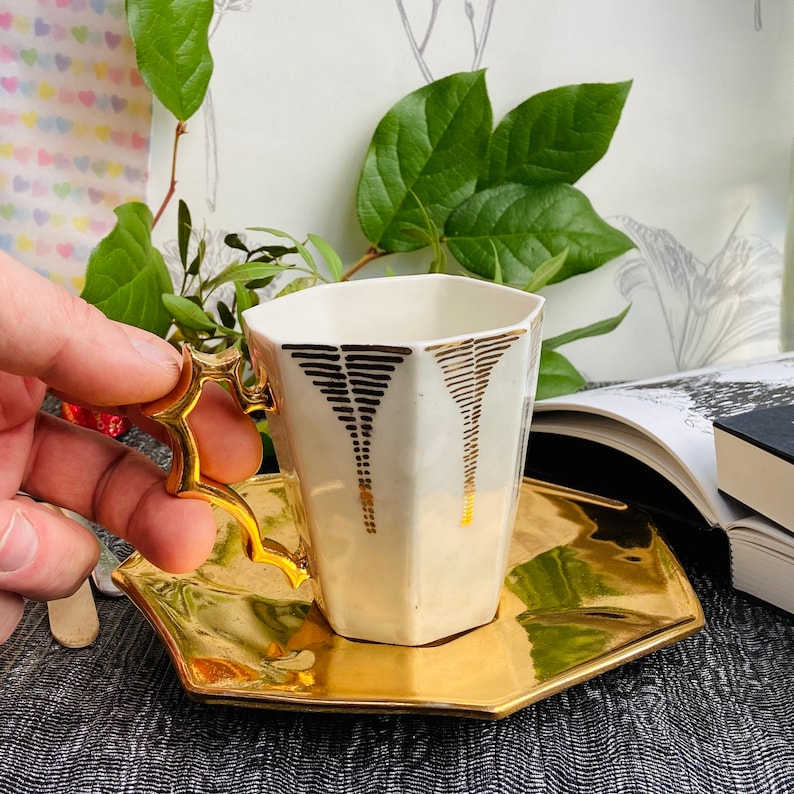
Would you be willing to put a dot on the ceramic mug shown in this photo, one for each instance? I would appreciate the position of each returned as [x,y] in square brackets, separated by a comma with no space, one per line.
[400,411]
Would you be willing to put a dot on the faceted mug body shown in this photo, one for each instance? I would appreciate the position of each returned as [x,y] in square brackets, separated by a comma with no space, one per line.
[402,413]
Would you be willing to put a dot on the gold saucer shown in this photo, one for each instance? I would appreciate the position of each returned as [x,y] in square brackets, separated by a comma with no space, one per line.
[591,585]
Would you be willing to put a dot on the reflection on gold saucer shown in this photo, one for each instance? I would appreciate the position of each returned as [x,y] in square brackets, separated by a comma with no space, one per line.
[591,586]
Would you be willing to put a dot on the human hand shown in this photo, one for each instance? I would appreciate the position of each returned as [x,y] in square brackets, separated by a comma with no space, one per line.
[50,339]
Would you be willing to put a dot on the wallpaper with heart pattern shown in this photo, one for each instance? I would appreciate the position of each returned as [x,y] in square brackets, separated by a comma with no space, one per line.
[74,130]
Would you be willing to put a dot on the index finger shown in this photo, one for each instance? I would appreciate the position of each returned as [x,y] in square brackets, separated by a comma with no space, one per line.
[48,333]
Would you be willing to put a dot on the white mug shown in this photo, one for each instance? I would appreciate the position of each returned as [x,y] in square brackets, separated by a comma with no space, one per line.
[400,412]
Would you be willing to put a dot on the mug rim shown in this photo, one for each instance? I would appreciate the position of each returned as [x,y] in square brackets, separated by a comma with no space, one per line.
[255,318]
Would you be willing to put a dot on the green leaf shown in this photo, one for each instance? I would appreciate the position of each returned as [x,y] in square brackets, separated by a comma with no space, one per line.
[555,136]
[198,259]
[268,450]
[233,241]
[528,225]
[245,299]
[184,228]
[497,266]
[431,145]
[546,272]
[172,50]
[429,235]
[557,375]
[257,283]
[247,271]
[332,259]
[302,250]
[269,253]
[126,274]
[594,329]
[226,315]
[186,313]
[296,285]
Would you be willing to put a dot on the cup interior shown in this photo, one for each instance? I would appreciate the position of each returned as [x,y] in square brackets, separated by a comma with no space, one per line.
[393,310]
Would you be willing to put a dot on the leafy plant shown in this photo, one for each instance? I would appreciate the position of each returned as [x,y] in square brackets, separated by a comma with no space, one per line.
[501,200]
[437,176]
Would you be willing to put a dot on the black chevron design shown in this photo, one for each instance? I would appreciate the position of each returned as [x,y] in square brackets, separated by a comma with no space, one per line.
[353,379]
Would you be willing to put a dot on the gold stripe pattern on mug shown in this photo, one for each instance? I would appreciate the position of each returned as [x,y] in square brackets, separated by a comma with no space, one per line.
[467,367]
[353,379]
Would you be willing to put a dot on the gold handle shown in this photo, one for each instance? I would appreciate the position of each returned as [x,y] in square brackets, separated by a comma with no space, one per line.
[185,478]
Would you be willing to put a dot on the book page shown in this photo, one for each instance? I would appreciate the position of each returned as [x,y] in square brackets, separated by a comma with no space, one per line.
[615,433]
[667,422]
[777,540]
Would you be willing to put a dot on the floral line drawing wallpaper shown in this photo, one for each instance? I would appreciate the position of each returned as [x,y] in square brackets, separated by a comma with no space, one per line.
[706,209]
[711,309]
[479,33]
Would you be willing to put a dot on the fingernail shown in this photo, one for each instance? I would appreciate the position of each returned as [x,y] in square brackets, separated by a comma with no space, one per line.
[18,543]
[154,352]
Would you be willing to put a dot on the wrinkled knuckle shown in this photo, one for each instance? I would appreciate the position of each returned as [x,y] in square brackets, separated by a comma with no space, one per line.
[76,317]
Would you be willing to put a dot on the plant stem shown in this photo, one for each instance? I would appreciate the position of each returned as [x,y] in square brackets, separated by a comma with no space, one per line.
[181,129]
[370,256]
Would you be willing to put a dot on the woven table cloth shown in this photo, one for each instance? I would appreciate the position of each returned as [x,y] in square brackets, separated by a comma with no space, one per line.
[711,713]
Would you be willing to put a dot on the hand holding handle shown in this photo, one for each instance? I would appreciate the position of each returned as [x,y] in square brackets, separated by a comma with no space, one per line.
[185,477]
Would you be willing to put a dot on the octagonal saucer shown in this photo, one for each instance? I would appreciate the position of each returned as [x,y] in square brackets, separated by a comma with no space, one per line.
[591,585]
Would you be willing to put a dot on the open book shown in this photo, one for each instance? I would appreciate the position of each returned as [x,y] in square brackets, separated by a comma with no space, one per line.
[666,423]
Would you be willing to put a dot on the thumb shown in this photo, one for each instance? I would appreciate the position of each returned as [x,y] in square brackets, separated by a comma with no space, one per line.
[43,555]
[48,333]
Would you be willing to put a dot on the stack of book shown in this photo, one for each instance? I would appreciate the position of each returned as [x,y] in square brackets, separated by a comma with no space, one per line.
[723,436]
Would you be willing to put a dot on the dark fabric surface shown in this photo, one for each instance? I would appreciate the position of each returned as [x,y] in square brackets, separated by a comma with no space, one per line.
[712,713]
